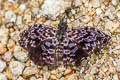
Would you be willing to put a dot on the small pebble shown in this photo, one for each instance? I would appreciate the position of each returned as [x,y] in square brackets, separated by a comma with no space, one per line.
[53,77]
[98,11]
[8,73]
[118,66]
[118,15]
[3,38]
[22,7]
[11,43]
[17,48]
[62,78]
[111,16]
[54,7]
[16,67]
[19,20]
[2,49]
[11,30]
[71,77]
[94,70]
[55,71]
[115,2]
[2,65]
[14,36]
[30,71]
[9,25]
[96,3]
[7,56]
[59,75]
[112,26]
[77,3]
[27,18]
[32,78]
[40,79]
[115,77]
[9,14]
[46,75]
[41,2]
[106,2]
[3,76]
[22,56]
[112,69]
[45,68]
[68,71]
[20,78]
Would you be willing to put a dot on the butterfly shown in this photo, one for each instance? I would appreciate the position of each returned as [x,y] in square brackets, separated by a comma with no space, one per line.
[47,45]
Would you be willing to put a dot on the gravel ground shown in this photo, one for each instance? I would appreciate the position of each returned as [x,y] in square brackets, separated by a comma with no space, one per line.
[16,15]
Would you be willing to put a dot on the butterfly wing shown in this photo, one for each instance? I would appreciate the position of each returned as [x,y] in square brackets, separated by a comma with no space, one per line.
[81,42]
[40,42]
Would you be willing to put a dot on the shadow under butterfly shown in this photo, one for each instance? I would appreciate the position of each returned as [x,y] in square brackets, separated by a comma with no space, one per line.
[48,46]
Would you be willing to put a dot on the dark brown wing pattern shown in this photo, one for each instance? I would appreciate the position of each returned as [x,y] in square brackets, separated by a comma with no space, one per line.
[81,42]
[71,46]
[40,41]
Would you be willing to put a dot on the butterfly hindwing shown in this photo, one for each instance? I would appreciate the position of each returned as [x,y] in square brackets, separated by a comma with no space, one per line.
[72,53]
[44,53]
[81,42]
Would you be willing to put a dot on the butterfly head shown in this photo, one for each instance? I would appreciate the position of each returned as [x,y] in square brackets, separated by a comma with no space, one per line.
[62,26]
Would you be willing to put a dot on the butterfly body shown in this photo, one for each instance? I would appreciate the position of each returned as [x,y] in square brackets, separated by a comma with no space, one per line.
[48,46]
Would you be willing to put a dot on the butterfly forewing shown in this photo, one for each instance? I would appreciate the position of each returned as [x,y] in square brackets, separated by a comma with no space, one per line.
[36,34]
[40,41]
[88,38]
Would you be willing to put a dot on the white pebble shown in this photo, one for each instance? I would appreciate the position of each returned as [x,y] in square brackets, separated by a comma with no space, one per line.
[118,14]
[54,7]
[7,56]
[11,43]
[78,3]
[16,67]
[32,78]
[22,56]
[19,20]
[115,2]
[3,77]
[111,16]
[94,70]
[98,11]
[2,65]
[40,79]
[46,75]
[17,48]
[9,14]
[112,26]
[96,3]
[73,11]
[3,38]
[22,7]
[115,77]
[20,78]
[27,17]
[30,71]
